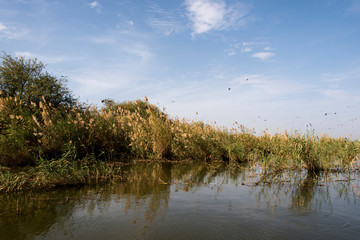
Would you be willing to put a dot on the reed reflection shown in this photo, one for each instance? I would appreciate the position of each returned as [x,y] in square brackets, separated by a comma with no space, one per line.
[305,190]
[145,196]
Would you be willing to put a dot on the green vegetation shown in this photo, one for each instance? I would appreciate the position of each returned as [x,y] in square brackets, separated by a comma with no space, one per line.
[26,79]
[65,142]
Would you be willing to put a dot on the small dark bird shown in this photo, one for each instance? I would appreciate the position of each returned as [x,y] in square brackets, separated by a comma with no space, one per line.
[247,79]
[326,114]
[229,89]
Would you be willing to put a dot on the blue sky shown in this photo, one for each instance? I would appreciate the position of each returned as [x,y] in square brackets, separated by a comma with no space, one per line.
[286,63]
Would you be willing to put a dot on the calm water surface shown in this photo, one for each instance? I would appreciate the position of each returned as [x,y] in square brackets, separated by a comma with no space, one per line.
[191,201]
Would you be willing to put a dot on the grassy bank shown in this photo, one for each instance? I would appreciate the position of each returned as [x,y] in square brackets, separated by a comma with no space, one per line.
[56,173]
[140,130]
[71,145]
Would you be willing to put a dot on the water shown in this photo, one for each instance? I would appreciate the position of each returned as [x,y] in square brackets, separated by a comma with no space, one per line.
[190,201]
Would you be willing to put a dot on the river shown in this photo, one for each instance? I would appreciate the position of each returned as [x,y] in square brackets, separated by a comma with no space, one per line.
[190,201]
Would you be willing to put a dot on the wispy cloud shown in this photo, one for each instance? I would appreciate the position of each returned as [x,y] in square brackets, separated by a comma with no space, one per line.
[124,42]
[166,27]
[103,39]
[246,49]
[2,27]
[12,32]
[130,23]
[336,94]
[207,15]
[268,87]
[94,82]
[352,75]
[126,27]
[261,49]
[48,59]
[165,21]
[24,54]
[139,50]
[263,55]
[96,5]
[231,52]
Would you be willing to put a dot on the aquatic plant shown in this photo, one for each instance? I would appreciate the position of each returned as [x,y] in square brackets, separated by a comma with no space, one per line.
[58,172]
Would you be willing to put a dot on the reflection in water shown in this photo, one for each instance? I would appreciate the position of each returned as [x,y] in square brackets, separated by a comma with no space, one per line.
[190,201]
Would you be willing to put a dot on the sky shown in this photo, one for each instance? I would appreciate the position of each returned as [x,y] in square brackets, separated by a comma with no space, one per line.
[269,65]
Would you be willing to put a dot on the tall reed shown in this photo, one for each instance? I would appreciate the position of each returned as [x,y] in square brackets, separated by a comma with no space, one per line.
[138,129]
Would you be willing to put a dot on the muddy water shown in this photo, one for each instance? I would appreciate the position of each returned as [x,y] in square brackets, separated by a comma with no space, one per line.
[191,201]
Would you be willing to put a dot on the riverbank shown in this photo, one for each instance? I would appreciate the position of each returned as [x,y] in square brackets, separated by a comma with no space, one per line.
[64,146]
[55,174]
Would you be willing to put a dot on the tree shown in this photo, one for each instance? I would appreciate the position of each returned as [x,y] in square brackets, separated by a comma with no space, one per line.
[26,79]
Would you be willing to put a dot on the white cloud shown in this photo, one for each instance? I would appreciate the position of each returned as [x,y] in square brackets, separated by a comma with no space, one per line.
[243,48]
[207,15]
[130,45]
[263,55]
[12,32]
[261,49]
[24,54]
[2,27]
[336,94]
[231,52]
[165,21]
[106,79]
[246,49]
[351,75]
[126,26]
[130,23]
[267,86]
[96,5]
[165,26]
[139,50]
[106,39]
[97,82]
[251,43]
[47,59]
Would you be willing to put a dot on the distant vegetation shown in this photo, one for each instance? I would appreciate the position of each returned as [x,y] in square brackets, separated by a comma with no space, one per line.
[62,141]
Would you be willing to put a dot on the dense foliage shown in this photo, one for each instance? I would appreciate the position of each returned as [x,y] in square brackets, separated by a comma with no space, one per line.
[26,79]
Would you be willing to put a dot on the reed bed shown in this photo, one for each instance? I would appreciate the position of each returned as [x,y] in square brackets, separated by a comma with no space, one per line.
[56,141]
